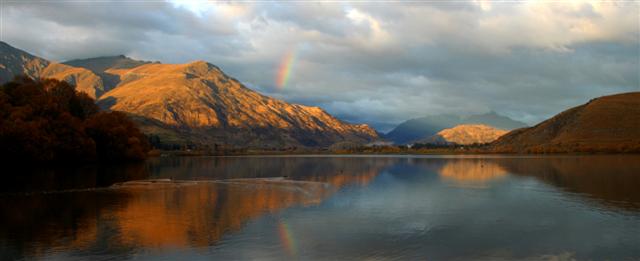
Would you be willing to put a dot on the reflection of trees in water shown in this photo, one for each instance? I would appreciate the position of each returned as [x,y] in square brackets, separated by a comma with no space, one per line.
[34,224]
[178,214]
[38,220]
[59,178]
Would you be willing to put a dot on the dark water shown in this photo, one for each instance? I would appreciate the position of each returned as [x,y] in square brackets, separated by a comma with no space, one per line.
[328,208]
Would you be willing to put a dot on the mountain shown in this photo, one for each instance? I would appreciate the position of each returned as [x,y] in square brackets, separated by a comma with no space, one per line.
[465,134]
[193,103]
[15,62]
[100,66]
[494,119]
[606,124]
[419,128]
[202,98]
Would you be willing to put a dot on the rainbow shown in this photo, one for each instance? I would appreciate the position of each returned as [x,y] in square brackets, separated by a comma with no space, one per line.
[286,238]
[284,71]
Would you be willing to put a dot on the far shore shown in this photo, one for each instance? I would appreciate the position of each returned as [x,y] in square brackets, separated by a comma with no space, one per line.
[192,153]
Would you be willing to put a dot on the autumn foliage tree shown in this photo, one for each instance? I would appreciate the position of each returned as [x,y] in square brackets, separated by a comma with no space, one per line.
[116,137]
[47,120]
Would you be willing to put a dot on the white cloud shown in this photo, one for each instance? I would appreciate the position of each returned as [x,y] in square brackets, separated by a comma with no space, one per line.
[375,62]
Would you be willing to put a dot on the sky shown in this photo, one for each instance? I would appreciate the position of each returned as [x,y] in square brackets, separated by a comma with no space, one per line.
[376,62]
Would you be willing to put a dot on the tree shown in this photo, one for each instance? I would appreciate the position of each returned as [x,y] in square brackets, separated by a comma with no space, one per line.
[47,120]
[116,137]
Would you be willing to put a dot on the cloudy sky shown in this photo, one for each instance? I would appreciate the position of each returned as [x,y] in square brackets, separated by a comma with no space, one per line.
[379,62]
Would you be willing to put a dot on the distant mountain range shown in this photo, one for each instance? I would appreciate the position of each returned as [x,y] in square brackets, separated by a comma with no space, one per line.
[198,104]
[605,124]
[425,127]
[465,134]
[193,103]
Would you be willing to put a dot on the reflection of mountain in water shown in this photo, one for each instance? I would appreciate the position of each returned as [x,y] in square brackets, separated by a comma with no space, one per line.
[181,213]
[298,168]
[611,180]
[200,214]
[471,172]
[212,197]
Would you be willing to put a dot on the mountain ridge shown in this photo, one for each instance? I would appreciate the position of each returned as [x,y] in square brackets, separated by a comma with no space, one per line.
[464,134]
[423,127]
[193,103]
[605,124]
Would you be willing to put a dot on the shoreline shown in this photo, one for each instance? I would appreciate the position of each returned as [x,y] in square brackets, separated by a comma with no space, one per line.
[403,153]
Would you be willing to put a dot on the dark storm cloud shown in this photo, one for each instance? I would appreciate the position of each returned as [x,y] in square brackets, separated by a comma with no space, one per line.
[365,62]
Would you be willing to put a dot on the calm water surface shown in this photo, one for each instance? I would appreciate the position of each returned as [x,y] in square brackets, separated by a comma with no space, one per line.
[328,208]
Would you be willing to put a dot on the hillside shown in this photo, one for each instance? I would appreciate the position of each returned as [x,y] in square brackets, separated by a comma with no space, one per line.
[194,103]
[606,124]
[15,62]
[465,134]
[104,63]
[419,128]
[200,97]
[100,65]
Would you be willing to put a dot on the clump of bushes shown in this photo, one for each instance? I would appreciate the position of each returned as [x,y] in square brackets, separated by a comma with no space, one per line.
[48,121]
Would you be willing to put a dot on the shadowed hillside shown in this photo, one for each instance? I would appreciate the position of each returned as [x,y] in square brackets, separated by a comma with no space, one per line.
[605,124]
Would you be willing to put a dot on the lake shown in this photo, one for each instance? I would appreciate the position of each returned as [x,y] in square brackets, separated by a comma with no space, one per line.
[327,208]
